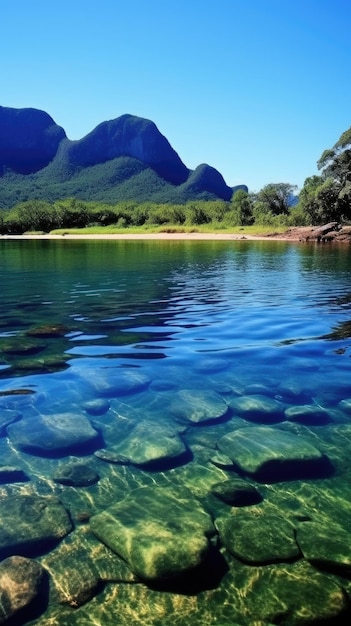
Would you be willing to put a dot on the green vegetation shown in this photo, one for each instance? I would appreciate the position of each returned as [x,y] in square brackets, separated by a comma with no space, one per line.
[323,198]
[59,216]
[327,197]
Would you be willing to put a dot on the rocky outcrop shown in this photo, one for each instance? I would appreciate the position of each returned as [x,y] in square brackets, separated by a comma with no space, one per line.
[29,139]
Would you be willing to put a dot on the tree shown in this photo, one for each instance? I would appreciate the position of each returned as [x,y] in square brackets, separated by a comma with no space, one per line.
[241,209]
[276,198]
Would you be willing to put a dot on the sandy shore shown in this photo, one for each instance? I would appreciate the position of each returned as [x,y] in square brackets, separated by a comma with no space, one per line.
[296,234]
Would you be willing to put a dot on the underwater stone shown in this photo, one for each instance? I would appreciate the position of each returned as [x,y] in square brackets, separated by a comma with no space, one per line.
[258,408]
[22,346]
[345,405]
[21,580]
[117,381]
[263,451]
[76,475]
[99,406]
[161,533]
[236,492]
[147,443]
[295,595]
[325,544]
[7,417]
[308,414]
[47,434]
[255,536]
[198,406]
[29,523]
[11,474]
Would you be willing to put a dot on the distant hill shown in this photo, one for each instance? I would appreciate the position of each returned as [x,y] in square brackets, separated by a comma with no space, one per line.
[122,159]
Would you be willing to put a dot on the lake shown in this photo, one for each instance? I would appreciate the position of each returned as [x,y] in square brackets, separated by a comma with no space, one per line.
[175,431]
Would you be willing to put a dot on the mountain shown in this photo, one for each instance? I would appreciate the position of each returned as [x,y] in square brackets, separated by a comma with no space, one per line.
[122,159]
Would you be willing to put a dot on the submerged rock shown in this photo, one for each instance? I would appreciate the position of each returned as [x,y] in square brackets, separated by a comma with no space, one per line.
[295,595]
[270,453]
[258,536]
[117,382]
[198,407]
[11,474]
[328,545]
[76,475]
[21,580]
[99,406]
[236,492]
[258,408]
[22,346]
[59,433]
[147,443]
[308,414]
[161,533]
[29,523]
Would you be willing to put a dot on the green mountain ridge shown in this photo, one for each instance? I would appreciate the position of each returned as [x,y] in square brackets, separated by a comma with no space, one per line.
[122,159]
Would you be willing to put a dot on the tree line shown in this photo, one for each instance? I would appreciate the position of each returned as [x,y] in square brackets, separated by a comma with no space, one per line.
[323,198]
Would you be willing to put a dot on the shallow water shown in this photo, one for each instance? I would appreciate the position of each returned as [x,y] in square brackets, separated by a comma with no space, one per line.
[158,336]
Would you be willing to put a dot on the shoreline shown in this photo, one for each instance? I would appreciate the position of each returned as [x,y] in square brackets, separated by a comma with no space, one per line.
[301,234]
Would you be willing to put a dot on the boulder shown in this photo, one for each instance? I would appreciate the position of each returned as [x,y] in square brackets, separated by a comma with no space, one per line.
[21,581]
[28,524]
[76,475]
[258,408]
[307,414]
[148,443]
[270,453]
[258,538]
[161,533]
[326,544]
[12,474]
[197,407]
[53,434]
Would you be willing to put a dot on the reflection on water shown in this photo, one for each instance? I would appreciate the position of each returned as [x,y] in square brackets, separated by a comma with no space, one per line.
[179,415]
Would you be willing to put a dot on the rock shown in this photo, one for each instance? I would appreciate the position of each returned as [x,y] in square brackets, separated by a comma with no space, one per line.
[198,407]
[116,382]
[21,581]
[295,595]
[221,460]
[345,405]
[258,408]
[21,346]
[11,474]
[325,544]
[99,406]
[161,533]
[258,538]
[112,456]
[76,475]
[53,434]
[29,523]
[148,443]
[308,414]
[236,492]
[7,417]
[48,331]
[210,366]
[270,454]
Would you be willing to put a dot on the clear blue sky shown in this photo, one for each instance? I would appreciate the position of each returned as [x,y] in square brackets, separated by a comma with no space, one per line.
[255,88]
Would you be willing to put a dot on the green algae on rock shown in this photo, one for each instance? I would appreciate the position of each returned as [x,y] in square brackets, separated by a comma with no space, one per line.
[161,533]
[258,408]
[146,444]
[198,406]
[236,492]
[76,475]
[328,545]
[29,523]
[257,536]
[267,452]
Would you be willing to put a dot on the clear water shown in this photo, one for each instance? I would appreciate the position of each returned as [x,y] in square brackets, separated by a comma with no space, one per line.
[238,319]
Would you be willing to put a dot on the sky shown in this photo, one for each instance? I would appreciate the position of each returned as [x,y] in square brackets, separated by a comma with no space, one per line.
[257,89]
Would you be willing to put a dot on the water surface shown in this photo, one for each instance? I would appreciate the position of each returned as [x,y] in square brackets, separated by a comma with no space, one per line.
[154,338]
